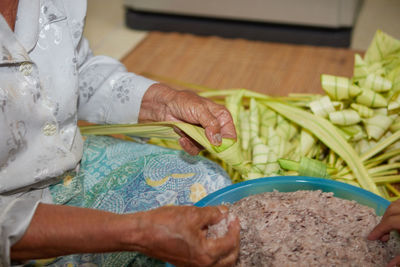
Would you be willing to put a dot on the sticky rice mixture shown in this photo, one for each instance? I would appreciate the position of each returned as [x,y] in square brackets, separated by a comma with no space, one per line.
[306,228]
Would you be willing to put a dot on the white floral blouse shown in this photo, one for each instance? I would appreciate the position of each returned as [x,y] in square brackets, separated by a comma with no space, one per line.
[48,80]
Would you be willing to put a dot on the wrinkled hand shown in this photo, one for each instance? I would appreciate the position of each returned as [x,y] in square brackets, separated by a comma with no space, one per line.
[177,234]
[161,103]
[390,221]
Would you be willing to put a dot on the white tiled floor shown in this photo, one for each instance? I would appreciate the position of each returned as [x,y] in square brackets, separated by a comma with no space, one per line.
[108,35]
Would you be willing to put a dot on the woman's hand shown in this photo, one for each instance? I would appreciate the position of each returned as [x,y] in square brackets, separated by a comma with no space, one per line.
[177,234]
[161,103]
[390,221]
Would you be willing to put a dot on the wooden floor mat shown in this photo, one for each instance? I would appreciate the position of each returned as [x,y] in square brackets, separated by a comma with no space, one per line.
[271,68]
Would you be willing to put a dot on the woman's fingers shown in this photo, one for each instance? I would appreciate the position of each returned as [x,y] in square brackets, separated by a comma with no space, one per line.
[390,221]
[214,118]
[162,103]
[385,238]
[393,209]
[384,227]
[211,215]
[379,231]
[210,124]
[225,120]
[394,262]
[183,232]
[187,143]
[227,244]
[189,107]
[190,146]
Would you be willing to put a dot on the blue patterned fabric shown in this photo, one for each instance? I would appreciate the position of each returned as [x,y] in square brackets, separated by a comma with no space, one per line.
[125,177]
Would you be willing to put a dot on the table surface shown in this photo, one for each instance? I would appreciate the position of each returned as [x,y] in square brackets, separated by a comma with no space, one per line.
[270,68]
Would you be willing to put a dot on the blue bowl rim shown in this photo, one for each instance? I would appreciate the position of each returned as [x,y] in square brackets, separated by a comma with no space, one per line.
[292,179]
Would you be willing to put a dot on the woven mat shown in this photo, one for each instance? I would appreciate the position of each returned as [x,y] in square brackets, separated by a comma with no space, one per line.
[271,68]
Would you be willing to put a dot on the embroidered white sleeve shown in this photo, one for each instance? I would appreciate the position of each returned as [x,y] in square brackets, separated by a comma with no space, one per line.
[107,92]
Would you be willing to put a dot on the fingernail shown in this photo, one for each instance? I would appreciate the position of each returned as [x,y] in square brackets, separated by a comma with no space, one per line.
[217,138]
[223,209]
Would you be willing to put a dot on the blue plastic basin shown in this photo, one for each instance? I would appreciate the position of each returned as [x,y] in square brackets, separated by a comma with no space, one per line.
[235,192]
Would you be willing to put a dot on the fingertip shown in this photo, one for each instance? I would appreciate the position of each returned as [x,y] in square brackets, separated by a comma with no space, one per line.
[229,131]
[213,136]
[235,224]
[217,138]
[382,229]
[394,262]
[230,135]
[213,215]
[234,228]
[223,209]
[375,235]
[187,145]
[372,236]
[183,142]
[385,238]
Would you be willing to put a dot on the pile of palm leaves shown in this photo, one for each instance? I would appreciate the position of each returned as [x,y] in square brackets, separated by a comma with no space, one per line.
[351,134]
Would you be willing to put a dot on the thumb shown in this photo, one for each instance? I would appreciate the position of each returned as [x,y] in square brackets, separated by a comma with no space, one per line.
[211,126]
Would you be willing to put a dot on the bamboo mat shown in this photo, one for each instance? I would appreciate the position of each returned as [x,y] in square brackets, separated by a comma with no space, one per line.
[271,68]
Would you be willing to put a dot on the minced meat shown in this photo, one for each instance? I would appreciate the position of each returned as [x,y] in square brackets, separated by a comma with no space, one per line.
[306,228]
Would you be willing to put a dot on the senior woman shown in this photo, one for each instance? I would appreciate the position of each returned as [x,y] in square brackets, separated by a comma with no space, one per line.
[101,201]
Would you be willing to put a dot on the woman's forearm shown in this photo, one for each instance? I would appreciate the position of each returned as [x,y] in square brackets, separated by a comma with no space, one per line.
[8,8]
[176,234]
[61,230]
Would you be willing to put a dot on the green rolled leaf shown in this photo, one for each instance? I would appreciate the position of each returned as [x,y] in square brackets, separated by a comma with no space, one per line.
[377,125]
[268,119]
[327,133]
[355,132]
[394,104]
[254,118]
[244,122]
[372,99]
[307,141]
[381,47]
[260,154]
[322,107]
[278,143]
[362,110]
[360,69]
[233,104]
[339,88]
[381,111]
[394,77]
[377,83]
[313,168]
[395,125]
[344,117]
[285,129]
[226,143]
[288,164]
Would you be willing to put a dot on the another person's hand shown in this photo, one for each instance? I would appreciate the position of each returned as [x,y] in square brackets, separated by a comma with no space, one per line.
[178,235]
[161,103]
[390,221]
